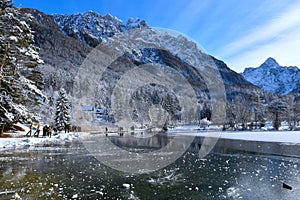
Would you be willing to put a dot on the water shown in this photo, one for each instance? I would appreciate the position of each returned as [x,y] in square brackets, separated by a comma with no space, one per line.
[69,171]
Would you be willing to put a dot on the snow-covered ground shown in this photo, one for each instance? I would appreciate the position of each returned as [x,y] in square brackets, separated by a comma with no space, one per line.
[266,136]
[23,142]
[283,136]
[291,137]
[18,140]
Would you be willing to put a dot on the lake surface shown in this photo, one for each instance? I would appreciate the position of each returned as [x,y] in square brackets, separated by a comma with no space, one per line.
[71,172]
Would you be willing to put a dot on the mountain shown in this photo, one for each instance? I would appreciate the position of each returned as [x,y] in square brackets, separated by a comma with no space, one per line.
[274,78]
[102,50]
[92,28]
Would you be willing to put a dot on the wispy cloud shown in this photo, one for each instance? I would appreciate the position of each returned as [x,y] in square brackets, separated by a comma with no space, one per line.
[190,13]
[284,49]
[280,36]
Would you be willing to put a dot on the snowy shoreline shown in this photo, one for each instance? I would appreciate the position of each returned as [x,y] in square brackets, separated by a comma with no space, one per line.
[289,137]
[12,143]
[284,137]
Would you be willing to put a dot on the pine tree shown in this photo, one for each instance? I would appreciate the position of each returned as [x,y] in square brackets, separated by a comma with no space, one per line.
[62,114]
[18,57]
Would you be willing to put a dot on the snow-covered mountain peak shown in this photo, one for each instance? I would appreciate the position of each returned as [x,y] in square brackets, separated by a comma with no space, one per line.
[108,16]
[272,77]
[270,63]
[140,41]
[136,23]
[92,28]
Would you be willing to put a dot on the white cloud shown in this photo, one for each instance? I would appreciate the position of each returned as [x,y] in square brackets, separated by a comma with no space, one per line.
[284,49]
[280,38]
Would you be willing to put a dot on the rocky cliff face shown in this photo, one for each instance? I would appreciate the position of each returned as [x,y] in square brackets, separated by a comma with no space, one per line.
[92,28]
[274,78]
[114,50]
[62,54]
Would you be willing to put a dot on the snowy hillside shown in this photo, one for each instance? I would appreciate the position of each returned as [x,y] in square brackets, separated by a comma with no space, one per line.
[272,77]
[93,28]
[67,41]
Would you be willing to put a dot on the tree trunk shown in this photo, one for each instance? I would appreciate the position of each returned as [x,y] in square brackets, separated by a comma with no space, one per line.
[276,121]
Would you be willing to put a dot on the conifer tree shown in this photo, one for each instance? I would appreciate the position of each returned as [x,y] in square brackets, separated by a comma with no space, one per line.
[18,57]
[277,108]
[62,114]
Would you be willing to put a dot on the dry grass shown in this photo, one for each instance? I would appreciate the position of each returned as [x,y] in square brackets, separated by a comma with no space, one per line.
[5,136]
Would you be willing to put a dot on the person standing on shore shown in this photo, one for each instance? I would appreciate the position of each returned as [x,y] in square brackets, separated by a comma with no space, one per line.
[45,130]
[106,131]
[66,127]
[30,130]
[37,133]
[50,130]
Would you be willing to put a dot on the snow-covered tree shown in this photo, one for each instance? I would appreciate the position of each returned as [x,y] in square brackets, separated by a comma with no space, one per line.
[238,113]
[62,114]
[18,58]
[277,108]
[258,108]
[293,110]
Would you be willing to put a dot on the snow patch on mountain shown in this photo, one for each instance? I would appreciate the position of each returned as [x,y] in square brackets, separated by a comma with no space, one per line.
[135,41]
[94,25]
[139,42]
[274,78]
[91,25]
[135,23]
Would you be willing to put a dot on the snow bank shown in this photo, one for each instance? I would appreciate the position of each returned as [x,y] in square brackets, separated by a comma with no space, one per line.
[291,137]
[287,137]
[16,143]
[272,136]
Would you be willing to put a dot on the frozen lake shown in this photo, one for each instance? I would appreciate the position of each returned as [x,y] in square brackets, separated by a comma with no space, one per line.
[70,171]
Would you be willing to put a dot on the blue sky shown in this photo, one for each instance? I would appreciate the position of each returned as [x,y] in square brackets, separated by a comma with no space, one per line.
[241,33]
